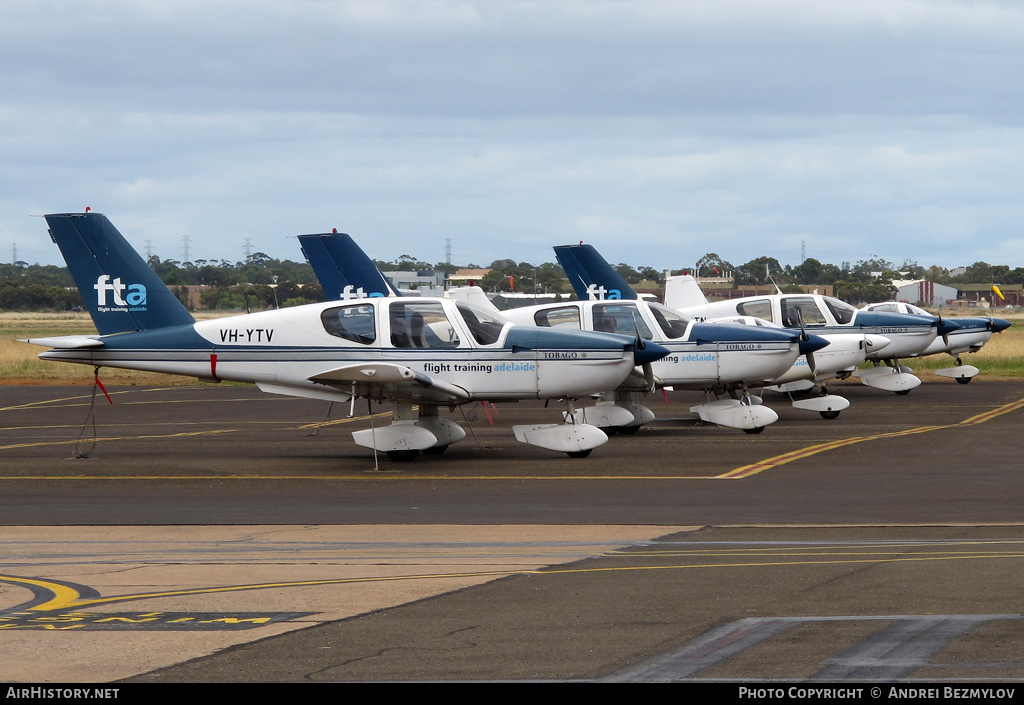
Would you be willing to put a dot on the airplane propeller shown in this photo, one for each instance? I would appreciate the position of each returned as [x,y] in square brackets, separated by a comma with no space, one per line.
[641,345]
[941,327]
[798,315]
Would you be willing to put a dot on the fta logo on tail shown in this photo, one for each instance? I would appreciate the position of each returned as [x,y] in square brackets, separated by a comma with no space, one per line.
[125,295]
[599,293]
[349,292]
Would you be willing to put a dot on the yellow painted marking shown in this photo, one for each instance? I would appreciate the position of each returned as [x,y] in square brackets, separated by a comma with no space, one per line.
[56,401]
[69,598]
[61,593]
[118,438]
[368,475]
[308,426]
[66,598]
[755,468]
[1005,409]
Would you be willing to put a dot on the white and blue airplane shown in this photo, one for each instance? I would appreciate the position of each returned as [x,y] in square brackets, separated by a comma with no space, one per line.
[420,354]
[726,358]
[970,336]
[592,276]
[824,315]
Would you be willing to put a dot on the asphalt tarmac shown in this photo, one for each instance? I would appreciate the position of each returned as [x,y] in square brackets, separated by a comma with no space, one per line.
[218,534]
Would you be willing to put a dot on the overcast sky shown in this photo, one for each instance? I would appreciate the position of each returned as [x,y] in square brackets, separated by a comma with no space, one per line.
[657,131]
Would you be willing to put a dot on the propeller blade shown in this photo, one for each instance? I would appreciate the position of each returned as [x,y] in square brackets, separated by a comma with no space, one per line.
[640,345]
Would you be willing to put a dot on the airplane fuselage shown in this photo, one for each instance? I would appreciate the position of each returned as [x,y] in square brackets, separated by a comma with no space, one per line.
[292,348]
[700,355]
[821,315]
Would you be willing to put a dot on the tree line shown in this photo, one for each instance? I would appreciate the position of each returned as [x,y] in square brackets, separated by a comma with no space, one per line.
[261,282]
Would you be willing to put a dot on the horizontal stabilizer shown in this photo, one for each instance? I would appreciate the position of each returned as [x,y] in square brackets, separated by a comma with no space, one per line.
[66,342]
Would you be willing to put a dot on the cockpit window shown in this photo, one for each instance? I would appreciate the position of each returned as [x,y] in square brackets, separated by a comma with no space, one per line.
[758,309]
[562,317]
[421,325]
[891,308]
[485,326]
[620,318]
[798,309]
[355,323]
[842,311]
[673,324]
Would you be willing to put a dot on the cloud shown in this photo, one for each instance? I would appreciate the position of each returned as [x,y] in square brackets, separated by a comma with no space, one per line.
[662,129]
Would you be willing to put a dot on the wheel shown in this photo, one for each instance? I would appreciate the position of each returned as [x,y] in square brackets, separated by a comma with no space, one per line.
[963,380]
[829,414]
[435,450]
[579,453]
[753,431]
[403,456]
[628,430]
[903,392]
[610,430]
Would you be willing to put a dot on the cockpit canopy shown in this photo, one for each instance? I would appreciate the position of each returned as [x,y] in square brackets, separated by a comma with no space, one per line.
[412,323]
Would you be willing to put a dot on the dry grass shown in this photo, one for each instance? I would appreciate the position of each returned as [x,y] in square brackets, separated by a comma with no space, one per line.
[1001,358]
[19,363]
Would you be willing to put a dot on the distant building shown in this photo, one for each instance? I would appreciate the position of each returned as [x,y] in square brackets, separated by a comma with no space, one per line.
[925,293]
[413,280]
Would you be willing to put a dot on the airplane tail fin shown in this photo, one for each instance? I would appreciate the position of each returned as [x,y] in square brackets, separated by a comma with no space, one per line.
[343,268]
[590,274]
[683,292]
[119,288]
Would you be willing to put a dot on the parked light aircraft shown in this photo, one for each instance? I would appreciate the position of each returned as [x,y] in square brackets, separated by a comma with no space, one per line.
[702,357]
[592,276]
[908,335]
[970,335]
[430,352]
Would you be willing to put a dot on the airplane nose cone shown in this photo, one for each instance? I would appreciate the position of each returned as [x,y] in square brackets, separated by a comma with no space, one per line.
[812,344]
[945,326]
[648,352]
[998,325]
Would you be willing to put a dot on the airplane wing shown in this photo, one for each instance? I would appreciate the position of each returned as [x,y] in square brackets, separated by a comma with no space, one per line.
[65,342]
[391,381]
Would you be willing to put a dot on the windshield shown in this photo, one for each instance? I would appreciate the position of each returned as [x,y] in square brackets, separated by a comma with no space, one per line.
[421,325]
[842,311]
[672,323]
[798,311]
[620,318]
[486,327]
